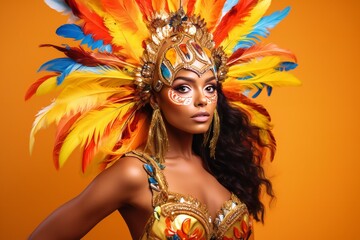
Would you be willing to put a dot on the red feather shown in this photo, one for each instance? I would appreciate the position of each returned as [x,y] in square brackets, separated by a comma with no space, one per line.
[160,5]
[190,7]
[73,5]
[259,50]
[236,55]
[233,18]
[93,23]
[133,136]
[146,8]
[33,88]
[91,149]
[88,154]
[62,131]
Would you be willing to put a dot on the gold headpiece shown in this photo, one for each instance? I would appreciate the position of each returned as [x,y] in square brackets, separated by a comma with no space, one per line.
[178,42]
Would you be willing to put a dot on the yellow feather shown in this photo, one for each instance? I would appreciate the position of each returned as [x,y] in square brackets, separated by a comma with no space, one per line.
[82,99]
[158,5]
[138,137]
[210,10]
[174,5]
[127,30]
[113,77]
[130,41]
[239,32]
[71,101]
[81,91]
[84,129]
[254,66]
[39,123]
[47,86]
[106,78]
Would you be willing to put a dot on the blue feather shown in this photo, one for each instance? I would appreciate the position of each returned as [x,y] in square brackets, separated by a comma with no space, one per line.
[65,66]
[106,48]
[87,40]
[77,67]
[97,44]
[287,66]
[56,65]
[257,93]
[261,29]
[75,32]
[70,31]
[269,90]
[244,78]
[228,5]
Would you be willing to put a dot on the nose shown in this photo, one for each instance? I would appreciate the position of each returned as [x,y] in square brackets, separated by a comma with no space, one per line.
[200,99]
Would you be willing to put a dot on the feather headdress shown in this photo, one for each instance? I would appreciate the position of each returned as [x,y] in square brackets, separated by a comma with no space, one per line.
[105,82]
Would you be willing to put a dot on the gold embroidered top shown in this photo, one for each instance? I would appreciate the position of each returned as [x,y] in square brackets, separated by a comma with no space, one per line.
[177,216]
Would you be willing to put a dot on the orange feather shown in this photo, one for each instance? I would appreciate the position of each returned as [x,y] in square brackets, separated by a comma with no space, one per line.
[210,10]
[93,24]
[233,18]
[126,12]
[146,8]
[93,146]
[260,50]
[32,89]
[159,5]
[190,7]
[62,131]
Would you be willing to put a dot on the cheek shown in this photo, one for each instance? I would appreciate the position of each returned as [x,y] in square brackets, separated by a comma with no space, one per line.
[212,99]
[177,99]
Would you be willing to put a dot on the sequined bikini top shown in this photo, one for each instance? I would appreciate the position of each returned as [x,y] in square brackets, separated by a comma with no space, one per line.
[177,216]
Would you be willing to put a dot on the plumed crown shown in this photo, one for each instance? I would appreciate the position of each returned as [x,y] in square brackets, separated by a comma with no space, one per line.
[127,48]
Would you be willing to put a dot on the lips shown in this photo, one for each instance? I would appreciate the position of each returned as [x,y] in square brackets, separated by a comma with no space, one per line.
[201,117]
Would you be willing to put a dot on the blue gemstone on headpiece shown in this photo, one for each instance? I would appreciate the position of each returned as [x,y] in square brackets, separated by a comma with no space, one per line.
[165,72]
[149,169]
[152,180]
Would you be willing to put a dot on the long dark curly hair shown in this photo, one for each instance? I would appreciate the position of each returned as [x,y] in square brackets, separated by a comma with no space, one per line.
[238,157]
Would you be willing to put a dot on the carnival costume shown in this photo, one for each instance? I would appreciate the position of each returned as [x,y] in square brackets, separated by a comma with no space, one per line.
[130,49]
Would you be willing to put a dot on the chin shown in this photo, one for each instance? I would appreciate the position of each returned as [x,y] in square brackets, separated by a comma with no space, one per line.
[201,130]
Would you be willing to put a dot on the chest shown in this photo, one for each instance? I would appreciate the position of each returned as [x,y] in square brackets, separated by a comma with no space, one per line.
[192,205]
[183,217]
[199,184]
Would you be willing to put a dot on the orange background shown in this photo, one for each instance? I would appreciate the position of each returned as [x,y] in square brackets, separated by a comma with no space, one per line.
[316,170]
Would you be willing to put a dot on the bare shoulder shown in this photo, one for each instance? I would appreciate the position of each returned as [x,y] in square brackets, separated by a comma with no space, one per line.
[122,181]
[128,170]
[115,187]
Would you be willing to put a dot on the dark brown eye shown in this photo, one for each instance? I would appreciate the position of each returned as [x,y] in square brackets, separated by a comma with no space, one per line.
[182,89]
[210,88]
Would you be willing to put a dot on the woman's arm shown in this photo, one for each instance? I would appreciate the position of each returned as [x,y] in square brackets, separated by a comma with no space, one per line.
[110,190]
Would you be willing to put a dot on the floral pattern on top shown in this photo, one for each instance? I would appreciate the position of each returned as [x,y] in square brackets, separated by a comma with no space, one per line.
[184,232]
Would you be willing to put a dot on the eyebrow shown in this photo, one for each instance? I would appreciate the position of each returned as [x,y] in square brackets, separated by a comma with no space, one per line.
[192,80]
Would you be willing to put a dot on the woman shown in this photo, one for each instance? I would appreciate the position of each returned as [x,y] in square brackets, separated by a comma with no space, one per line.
[185,145]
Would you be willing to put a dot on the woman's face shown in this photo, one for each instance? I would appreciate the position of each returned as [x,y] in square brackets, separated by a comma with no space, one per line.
[189,104]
